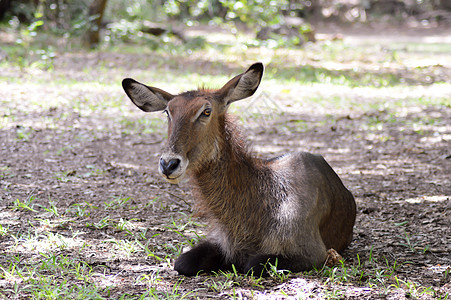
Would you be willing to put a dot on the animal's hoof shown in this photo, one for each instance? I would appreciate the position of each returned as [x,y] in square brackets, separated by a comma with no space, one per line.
[333,258]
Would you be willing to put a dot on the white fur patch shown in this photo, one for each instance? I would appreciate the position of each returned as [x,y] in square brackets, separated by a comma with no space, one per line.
[288,211]
[217,235]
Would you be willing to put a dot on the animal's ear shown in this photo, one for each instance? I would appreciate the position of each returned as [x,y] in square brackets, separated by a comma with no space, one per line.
[243,85]
[147,98]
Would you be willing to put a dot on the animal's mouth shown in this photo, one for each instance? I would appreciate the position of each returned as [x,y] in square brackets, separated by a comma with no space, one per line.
[173,180]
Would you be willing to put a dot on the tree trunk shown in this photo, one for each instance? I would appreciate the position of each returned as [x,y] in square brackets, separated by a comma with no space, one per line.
[96,11]
[5,5]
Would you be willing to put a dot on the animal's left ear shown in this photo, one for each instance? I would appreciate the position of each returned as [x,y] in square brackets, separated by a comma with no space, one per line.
[243,85]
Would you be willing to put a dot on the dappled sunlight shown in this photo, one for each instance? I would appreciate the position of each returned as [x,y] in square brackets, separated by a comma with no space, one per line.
[41,239]
[268,149]
[45,242]
[40,248]
[321,98]
[9,217]
[83,205]
[113,280]
[425,199]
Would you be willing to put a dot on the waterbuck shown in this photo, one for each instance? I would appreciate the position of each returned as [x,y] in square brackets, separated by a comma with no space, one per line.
[287,211]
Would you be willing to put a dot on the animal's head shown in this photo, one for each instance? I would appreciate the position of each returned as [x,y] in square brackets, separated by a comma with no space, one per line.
[193,118]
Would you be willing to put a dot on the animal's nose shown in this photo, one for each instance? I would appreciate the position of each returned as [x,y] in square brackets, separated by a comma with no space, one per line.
[168,167]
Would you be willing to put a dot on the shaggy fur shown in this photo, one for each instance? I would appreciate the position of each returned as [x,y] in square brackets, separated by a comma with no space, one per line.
[287,211]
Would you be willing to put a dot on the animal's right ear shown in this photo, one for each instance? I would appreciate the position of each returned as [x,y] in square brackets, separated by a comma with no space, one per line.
[147,98]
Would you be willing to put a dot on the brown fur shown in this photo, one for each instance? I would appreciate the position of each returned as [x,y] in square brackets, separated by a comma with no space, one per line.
[288,210]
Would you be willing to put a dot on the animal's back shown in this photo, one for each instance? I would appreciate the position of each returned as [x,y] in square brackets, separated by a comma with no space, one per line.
[325,200]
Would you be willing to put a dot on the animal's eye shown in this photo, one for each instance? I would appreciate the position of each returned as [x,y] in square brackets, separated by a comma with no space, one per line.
[166,112]
[206,112]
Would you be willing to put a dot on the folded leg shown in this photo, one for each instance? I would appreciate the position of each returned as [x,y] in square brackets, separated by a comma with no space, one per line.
[205,257]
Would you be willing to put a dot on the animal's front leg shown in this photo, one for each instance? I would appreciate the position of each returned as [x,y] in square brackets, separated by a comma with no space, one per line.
[205,257]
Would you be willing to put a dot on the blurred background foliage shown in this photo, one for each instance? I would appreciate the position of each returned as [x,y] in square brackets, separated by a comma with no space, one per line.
[50,24]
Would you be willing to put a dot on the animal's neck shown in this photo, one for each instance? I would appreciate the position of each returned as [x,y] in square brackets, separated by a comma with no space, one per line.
[228,179]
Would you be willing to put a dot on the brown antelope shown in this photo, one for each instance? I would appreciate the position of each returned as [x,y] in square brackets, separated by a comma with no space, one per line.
[286,211]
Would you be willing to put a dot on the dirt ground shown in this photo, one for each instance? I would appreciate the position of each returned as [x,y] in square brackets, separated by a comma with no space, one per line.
[397,166]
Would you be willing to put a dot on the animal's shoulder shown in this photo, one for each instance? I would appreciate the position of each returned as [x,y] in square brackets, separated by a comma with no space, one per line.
[297,159]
